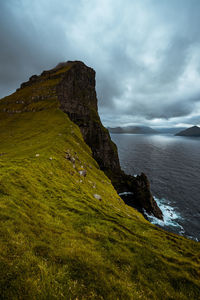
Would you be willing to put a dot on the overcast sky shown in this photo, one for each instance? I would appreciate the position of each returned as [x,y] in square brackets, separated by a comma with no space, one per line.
[146,53]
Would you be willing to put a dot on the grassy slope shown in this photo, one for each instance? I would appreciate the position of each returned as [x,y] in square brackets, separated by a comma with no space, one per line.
[57,241]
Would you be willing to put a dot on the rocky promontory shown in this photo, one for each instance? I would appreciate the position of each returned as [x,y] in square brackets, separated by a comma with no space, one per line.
[65,232]
[74,87]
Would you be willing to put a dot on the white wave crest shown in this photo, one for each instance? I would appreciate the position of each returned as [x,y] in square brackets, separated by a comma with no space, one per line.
[125,193]
[170,216]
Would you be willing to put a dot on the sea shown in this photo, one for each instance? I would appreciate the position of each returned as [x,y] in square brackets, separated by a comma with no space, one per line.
[172,164]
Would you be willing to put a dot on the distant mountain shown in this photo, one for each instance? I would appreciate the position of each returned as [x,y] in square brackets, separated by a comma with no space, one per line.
[172,130]
[133,129]
[192,131]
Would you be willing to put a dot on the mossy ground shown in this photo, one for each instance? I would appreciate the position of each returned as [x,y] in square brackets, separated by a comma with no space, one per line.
[57,241]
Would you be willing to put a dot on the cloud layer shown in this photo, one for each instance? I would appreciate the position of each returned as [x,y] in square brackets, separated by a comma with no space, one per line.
[146,53]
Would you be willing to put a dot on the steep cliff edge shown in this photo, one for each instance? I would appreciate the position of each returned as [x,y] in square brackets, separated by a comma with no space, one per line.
[65,233]
[76,93]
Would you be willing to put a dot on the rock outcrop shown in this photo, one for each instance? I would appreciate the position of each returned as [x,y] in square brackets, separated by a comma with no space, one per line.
[73,83]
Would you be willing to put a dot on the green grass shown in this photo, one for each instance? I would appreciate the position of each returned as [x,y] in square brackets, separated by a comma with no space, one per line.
[57,241]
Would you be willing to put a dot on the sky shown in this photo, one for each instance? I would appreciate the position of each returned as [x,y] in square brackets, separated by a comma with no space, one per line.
[146,54]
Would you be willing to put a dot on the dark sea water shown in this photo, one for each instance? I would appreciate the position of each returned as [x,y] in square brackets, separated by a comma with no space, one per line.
[172,164]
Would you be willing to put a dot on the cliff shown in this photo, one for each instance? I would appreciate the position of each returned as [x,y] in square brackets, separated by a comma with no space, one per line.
[65,233]
[75,89]
[77,95]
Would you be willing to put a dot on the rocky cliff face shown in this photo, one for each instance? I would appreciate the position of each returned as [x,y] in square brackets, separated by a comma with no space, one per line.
[73,84]
[77,95]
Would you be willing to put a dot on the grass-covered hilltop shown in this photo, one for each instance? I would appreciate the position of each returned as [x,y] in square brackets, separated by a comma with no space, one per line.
[65,233]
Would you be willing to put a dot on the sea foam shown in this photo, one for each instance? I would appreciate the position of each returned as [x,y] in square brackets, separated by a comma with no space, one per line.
[170,215]
[125,193]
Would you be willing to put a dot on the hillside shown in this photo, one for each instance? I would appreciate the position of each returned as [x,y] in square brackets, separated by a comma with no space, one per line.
[73,85]
[171,130]
[192,131]
[133,129]
[65,233]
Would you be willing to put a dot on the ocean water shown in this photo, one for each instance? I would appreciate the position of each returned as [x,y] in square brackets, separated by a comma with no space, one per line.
[172,164]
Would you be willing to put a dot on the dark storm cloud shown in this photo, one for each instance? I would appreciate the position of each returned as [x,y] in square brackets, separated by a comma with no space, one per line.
[31,39]
[146,53]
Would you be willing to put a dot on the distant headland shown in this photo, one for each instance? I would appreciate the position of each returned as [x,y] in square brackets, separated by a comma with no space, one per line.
[192,131]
